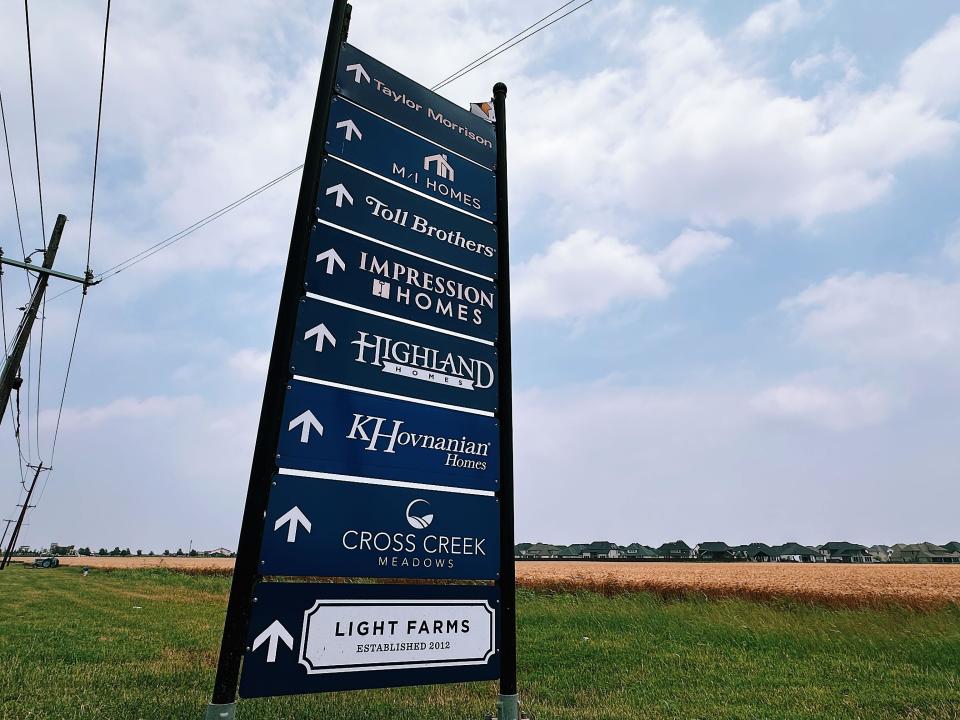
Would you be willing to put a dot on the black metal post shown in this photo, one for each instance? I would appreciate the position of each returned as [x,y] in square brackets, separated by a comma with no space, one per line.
[508,703]
[245,571]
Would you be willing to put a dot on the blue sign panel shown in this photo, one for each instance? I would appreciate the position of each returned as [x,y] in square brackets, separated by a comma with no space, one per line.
[341,432]
[364,203]
[372,84]
[345,267]
[362,138]
[331,528]
[356,348]
[306,638]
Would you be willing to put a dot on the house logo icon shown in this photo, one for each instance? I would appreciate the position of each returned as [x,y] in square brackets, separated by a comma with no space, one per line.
[443,168]
[419,517]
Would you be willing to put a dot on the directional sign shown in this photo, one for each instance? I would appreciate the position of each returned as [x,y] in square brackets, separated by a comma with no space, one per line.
[382,439]
[375,276]
[382,89]
[384,418]
[355,348]
[392,152]
[305,637]
[332,528]
[358,201]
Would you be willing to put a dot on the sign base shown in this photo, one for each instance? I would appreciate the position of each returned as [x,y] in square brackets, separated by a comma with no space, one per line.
[508,707]
[225,711]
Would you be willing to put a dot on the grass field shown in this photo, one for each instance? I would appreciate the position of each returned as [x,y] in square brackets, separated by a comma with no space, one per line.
[142,644]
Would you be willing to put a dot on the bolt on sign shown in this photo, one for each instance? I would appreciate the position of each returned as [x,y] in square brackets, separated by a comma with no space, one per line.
[384,448]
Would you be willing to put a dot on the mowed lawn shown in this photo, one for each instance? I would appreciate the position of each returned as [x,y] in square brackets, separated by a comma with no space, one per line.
[143,644]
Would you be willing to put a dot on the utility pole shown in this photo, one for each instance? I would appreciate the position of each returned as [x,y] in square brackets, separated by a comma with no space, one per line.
[5,529]
[12,362]
[23,508]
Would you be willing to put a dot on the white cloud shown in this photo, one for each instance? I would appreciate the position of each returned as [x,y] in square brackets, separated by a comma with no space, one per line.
[930,71]
[951,248]
[834,409]
[777,18]
[250,364]
[691,247]
[588,273]
[817,64]
[582,275]
[682,131]
[887,318]
[125,408]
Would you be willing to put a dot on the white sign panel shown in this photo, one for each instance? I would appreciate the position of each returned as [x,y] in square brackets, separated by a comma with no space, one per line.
[362,635]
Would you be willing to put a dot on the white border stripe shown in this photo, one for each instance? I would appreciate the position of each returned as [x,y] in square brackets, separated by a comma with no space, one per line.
[403,250]
[368,311]
[361,480]
[412,190]
[416,134]
[378,393]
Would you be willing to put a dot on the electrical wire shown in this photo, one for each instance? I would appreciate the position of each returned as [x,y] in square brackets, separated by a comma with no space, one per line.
[181,234]
[13,185]
[512,45]
[3,315]
[63,395]
[469,64]
[33,105]
[96,149]
[176,237]
[83,297]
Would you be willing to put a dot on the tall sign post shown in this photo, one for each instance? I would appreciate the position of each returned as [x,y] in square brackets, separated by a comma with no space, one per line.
[385,446]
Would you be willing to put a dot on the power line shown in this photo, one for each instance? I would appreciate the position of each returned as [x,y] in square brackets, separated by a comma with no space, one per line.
[553,12]
[13,186]
[460,74]
[63,395]
[181,234]
[96,150]
[83,297]
[176,237]
[33,105]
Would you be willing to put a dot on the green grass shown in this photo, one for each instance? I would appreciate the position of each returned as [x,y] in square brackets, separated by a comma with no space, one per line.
[143,644]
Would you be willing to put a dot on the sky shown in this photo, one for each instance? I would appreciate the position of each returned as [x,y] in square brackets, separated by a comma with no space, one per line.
[735,246]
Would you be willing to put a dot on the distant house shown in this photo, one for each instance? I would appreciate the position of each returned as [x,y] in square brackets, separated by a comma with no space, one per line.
[570,551]
[216,552]
[541,550]
[638,551]
[601,549]
[520,549]
[795,552]
[756,552]
[714,550]
[924,552]
[952,546]
[846,552]
[677,550]
[881,553]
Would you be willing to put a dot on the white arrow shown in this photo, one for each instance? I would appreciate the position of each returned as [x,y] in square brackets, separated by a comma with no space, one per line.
[358,71]
[307,420]
[274,634]
[295,517]
[333,260]
[350,129]
[321,333]
[341,192]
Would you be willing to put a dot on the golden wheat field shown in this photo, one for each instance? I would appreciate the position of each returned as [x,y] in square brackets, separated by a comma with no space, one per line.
[849,585]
